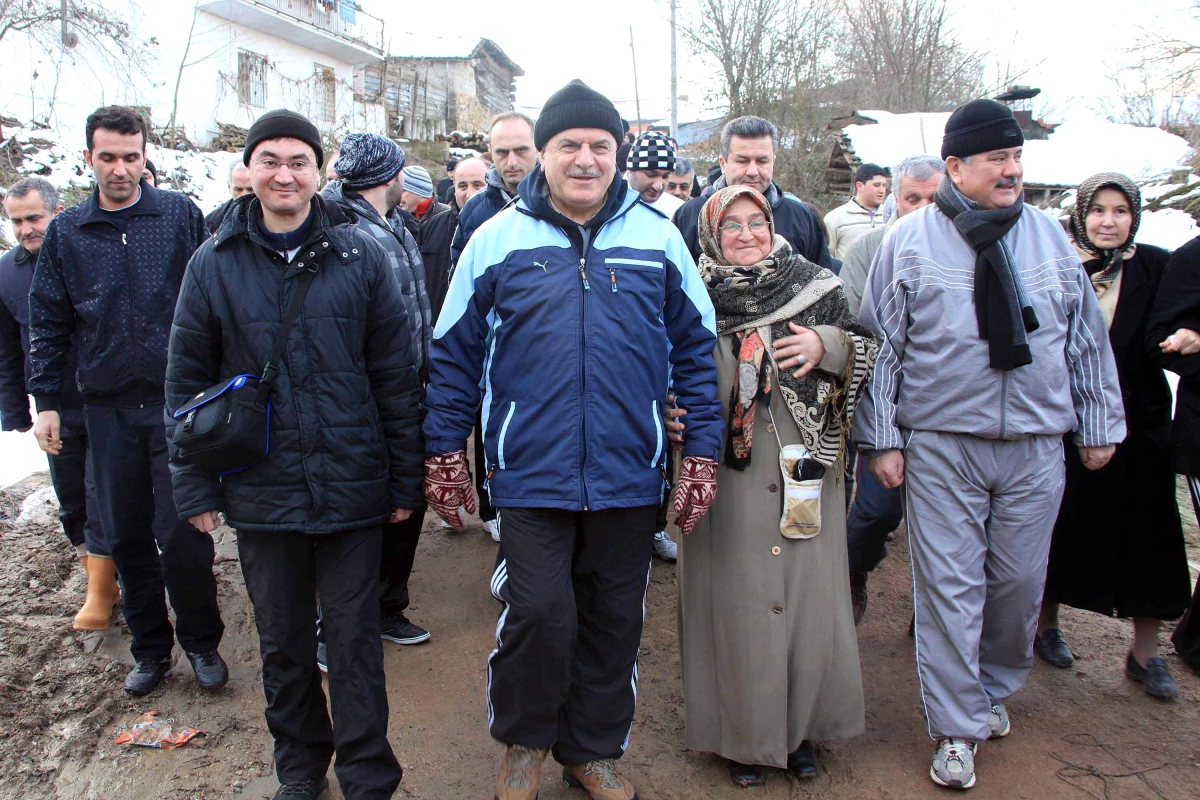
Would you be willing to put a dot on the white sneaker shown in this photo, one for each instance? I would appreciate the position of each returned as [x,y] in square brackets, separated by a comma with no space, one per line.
[998,721]
[664,548]
[492,526]
[953,764]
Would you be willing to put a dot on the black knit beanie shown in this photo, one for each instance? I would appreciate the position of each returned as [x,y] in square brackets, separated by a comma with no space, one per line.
[576,105]
[980,127]
[283,124]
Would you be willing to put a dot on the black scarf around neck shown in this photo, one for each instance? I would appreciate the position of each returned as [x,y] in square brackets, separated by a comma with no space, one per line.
[1002,308]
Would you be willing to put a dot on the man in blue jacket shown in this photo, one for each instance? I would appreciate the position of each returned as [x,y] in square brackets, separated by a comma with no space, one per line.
[573,309]
[109,273]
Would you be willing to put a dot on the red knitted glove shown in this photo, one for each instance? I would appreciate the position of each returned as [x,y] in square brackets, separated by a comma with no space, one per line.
[448,486]
[696,490]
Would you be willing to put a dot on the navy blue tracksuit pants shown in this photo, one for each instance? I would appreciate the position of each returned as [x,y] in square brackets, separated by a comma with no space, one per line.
[564,671]
[151,546]
[876,513]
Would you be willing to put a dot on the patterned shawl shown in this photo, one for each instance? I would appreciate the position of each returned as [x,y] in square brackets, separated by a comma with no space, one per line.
[1111,261]
[754,305]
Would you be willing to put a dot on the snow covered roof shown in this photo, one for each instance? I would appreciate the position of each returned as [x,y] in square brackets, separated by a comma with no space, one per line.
[412,45]
[1074,151]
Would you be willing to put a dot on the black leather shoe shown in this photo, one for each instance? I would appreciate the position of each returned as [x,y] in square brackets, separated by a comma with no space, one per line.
[1154,677]
[803,762]
[211,671]
[302,790]
[858,595]
[399,630]
[146,676]
[745,775]
[1052,648]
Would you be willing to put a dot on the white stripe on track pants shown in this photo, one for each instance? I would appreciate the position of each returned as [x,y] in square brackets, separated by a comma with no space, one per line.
[980,513]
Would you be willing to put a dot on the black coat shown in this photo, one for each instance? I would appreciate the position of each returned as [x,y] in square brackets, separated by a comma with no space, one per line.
[437,234]
[1118,544]
[1178,306]
[214,218]
[794,221]
[16,275]
[114,294]
[346,443]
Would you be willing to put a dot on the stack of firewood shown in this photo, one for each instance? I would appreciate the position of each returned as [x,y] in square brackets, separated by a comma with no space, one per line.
[231,138]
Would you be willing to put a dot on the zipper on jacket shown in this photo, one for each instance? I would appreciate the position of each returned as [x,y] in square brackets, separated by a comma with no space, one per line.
[583,273]
[125,243]
[613,272]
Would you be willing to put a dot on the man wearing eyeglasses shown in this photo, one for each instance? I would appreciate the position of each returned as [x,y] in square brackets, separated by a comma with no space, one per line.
[345,456]
[107,277]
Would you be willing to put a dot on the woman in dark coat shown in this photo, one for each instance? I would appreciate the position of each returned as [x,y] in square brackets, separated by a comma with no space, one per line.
[1118,544]
[1175,328]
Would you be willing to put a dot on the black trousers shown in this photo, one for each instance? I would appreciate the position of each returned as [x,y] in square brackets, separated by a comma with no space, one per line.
[284,571]
[150,545]
[486,512]
[71,476]
[564,672]
[396,562]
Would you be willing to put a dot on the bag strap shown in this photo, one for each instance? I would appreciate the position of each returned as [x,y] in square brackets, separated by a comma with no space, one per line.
[271,368]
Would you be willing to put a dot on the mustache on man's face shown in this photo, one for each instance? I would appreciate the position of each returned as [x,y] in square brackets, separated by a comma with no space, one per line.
[576,172]
[1006,183]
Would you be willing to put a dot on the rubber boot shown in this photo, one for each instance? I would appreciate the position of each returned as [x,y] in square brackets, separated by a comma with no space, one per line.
[102,594]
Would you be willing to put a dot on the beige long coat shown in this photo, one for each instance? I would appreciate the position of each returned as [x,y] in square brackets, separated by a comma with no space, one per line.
[769,652]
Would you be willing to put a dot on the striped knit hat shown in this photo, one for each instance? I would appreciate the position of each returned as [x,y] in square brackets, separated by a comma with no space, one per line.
[417,181]
[651,150]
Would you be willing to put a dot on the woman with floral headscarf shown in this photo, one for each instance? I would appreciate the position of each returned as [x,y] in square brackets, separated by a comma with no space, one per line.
[1118,544]
[770,658]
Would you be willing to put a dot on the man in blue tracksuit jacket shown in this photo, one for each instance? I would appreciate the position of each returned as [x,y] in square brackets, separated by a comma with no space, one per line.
[574,309]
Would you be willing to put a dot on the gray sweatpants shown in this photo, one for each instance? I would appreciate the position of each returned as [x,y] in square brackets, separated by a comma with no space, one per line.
[980,513]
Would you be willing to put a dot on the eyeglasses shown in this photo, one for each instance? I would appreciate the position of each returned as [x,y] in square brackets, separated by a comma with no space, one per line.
[755,225]
[271,165]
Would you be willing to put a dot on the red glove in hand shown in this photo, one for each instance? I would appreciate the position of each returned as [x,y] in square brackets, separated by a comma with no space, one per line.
[696,491]
[448,486]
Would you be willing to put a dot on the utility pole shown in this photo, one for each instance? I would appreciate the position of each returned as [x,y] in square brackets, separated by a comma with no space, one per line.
[674,78]
[637,98]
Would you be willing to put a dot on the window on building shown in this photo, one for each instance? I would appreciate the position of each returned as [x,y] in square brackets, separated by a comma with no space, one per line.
[326,94]
[252,79]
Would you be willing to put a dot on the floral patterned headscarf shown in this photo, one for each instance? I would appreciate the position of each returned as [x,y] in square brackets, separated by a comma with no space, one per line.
[714,210]
[1111,261]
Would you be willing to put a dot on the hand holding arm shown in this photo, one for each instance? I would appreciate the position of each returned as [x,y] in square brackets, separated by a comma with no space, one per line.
[802,351]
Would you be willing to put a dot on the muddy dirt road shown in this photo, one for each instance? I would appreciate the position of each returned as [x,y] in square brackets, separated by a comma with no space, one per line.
[1085,732]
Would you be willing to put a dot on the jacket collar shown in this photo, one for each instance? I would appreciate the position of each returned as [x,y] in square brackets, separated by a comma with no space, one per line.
[535,196]
[494,181]
[148,204]
[21,255]
[237,224]
[351,204]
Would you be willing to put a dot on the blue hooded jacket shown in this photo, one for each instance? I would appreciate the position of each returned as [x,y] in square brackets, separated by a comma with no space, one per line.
[574,335]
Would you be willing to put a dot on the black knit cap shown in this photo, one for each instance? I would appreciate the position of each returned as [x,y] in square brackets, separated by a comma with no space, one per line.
[283,124]
[576,105]
[980,127]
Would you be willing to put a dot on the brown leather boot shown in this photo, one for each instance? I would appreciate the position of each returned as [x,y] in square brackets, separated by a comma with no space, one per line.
[102,593]
[520,772]
[600,780]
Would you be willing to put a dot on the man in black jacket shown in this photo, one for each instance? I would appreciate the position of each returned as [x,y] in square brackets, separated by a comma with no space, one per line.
[30,205]
[370,167]
[439,225]
[345,452]
[239,185]
[107,278]
[748,147]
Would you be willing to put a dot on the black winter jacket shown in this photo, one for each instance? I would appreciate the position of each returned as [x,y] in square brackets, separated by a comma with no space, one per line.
[115,292]
[1177,305]
[478,210]
[437,233]
[16,275]
[794,221]
[346,407]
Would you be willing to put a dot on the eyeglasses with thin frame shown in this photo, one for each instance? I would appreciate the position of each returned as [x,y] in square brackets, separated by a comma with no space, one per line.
[755,226]
[273,165]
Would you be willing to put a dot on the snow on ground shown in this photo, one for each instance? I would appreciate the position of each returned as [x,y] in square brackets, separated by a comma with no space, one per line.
[19,456]
[1169,228]
[1074,151]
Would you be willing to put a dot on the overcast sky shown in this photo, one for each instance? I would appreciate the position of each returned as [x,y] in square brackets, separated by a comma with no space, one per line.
[1073,39]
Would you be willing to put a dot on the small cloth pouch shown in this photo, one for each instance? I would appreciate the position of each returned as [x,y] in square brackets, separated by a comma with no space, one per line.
[802,479]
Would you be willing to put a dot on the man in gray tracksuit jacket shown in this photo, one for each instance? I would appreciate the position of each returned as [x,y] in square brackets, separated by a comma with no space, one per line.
[992,347]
